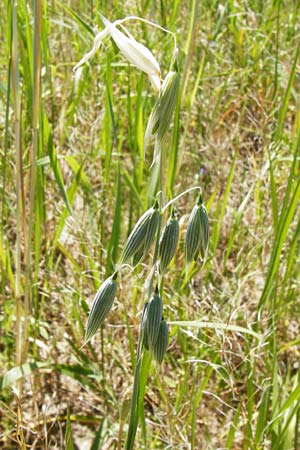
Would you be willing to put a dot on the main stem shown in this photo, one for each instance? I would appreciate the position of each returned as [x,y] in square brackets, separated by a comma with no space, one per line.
[19,206]
[35,139]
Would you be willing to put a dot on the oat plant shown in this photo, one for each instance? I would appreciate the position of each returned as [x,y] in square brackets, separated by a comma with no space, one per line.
[158,227]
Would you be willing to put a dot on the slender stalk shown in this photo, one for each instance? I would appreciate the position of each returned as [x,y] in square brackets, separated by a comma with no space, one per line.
[35,140]
[134,407]
[4,157]
[190,44]
[173,200]
[17,111]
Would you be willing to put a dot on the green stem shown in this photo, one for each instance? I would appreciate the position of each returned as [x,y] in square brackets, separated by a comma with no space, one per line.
[141,372]
[35,139]
[179,196]
[18,147]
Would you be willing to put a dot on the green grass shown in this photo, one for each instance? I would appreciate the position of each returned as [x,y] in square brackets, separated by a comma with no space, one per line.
[74,183]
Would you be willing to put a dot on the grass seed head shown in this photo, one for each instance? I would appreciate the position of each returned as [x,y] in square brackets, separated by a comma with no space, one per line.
[153,319]
[142,235]
[135,52]
[168,242]
[161,343]
[161,115]
[192,243]
[142,326]
[153,226]
[204,232]
[138,256]
[197,233]
[101,306]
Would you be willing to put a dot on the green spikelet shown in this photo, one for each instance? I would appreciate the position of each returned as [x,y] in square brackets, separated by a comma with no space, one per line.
[142,326]
[192,243]
[138,256]
[161,343]
[152,229]
[168,242]
[153,319]
[204,232]
[197,233]
[161,115]
[142,235]
[101,306]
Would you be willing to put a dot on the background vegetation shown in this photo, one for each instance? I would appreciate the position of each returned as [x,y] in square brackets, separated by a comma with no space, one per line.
[76,142]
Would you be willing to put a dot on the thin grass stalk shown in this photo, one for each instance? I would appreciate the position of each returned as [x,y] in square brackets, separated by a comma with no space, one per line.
[35,139]
[197,399]
[190,44]
[296,438]
[277,51]
[5,270]
[133,420]
[141,372]
[274,351]
[15,81]
[286,217]
[4,157]
[174,150]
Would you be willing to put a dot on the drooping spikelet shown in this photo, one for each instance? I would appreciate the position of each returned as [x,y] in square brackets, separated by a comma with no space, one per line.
[139,55]
[204,232]
[153,316]
[161,343]
[192,234]
[168,242]
[135,52]
[142,235]
[161,115]
[101,306]
[142,326]
[197,233]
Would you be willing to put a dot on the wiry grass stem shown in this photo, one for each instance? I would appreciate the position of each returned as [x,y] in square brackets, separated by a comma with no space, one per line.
[35,145]
[19,185]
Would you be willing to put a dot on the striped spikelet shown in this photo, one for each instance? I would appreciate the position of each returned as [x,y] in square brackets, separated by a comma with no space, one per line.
[142,326]
[168,242]
[152,229]
[153,317]
[204,232]
[142,235]
[101,306]
[161,115]
[197,233]
[193,234]
[161,344]
[138,256]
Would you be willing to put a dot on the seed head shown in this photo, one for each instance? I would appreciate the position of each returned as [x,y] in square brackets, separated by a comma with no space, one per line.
[142,326]
[152,229]
[197,233]
[139,55]
[152,321]
[97,42]
[161,115]
[138,256]
[135,52]
[204,232]
[101,306]
[168,242]
[142,235]
[161,344]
